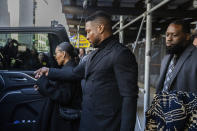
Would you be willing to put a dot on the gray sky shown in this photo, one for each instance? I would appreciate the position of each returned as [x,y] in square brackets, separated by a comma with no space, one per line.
[44,13]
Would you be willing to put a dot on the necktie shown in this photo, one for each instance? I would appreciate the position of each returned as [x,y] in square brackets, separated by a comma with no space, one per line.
[169,73]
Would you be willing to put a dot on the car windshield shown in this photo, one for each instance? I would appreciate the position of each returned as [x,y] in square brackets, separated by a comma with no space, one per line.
[24,51]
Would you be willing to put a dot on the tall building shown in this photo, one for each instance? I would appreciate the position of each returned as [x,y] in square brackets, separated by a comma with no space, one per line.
[4,14]
[4,20]
[26,19]
[26,13]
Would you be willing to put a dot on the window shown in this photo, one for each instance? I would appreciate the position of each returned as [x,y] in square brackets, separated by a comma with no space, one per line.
[24,51]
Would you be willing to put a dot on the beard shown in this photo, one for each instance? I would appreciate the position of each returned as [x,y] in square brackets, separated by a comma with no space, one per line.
[175,49]
[96,43]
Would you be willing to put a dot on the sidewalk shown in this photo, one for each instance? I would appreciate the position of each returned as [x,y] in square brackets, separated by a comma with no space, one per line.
[140,107]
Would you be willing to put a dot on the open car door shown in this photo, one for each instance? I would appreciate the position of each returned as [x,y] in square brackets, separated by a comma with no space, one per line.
[20,103]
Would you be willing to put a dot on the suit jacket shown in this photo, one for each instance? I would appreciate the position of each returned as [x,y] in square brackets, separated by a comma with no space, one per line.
[110,92]
[185,72]
[64,93]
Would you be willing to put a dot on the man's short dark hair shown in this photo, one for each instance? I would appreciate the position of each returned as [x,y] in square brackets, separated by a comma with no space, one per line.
[185,25]
[100,15]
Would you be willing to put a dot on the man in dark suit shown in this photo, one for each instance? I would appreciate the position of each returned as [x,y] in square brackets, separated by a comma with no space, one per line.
[183,77]
[110,73]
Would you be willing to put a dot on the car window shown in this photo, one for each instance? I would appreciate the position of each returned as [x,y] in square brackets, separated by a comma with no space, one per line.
[24,51]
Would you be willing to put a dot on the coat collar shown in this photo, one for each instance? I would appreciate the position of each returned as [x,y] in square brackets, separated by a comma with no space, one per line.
[69,63]
[164,67]
[104,43]
[91,65]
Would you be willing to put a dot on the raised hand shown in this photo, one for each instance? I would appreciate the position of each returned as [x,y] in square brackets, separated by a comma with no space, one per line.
[41,71]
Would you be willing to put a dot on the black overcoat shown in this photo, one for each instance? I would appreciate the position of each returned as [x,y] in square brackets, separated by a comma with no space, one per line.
[57,92]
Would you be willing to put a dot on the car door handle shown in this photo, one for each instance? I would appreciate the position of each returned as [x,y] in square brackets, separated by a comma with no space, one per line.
[19,79]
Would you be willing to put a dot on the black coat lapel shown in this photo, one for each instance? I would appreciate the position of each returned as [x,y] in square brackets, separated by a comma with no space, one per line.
[91,65]
[181,61]
[164,67]
[88,62]
[103,52]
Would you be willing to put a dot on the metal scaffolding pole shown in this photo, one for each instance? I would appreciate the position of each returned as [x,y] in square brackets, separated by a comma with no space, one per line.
[78,36]
[138,35]
[114,26]
[142,15]
[121,33]
[147,59]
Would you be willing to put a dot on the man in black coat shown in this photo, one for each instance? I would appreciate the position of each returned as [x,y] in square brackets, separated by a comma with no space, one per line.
[184,74]
[110,73]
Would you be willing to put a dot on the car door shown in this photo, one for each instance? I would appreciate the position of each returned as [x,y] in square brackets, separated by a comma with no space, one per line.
[20,103]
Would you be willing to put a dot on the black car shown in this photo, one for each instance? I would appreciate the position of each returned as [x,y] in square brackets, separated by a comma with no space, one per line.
[22,51]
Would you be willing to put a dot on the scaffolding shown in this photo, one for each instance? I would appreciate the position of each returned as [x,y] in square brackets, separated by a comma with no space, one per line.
[146,15]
